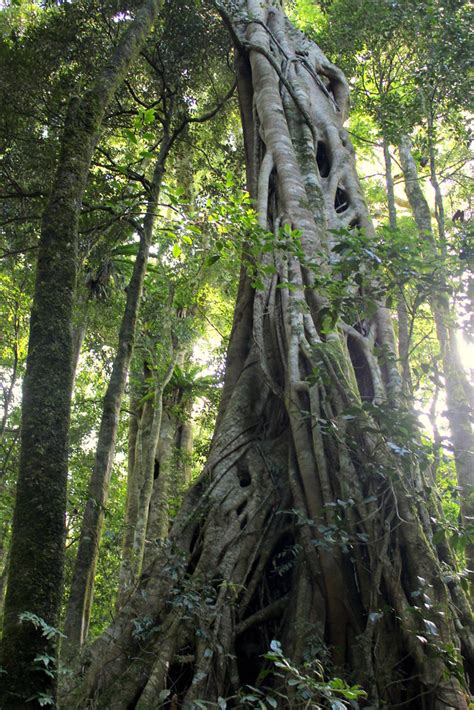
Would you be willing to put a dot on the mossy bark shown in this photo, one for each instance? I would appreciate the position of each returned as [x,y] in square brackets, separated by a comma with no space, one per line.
[307,524]
[37,549]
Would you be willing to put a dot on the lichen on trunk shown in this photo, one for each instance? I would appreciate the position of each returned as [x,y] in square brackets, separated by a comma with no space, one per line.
[308,525]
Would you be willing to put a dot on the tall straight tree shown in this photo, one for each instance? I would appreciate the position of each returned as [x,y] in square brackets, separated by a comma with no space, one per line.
[37,549]
[310,506]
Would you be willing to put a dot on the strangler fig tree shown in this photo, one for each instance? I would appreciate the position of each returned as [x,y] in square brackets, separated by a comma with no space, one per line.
[311,522]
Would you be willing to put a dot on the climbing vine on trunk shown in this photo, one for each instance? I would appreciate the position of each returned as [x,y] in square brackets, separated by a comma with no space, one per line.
[310,523]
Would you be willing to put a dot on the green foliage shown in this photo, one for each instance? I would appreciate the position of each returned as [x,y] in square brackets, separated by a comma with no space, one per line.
[284,684]
[299,687]
[401,57]
[15,293]
[49,632]
[307,15]
[44,662]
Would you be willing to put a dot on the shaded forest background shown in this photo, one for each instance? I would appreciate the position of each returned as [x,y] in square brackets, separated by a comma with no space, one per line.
[166,229]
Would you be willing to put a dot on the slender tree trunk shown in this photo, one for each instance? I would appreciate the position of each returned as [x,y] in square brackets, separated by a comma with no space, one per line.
[184,398]
[172,472]
[402,312]
[172,475]
[158,510]
[140,486]
[434,418]
[4,554]
[79,333]
[8,390]
[82,585]
[439,203]
[184,445]
[135,430]
[307,524]
[37,551]
[459,397]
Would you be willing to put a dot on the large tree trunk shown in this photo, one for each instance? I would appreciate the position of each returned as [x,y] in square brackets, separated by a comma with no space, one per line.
[37,550]
[82,585]
[459,395]
[308,524]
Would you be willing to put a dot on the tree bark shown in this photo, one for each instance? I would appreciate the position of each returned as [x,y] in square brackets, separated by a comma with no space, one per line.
[79,333]
[184,445]
[37,550]
[158,509]
[173,470]
[439,202]
[402,312]
[4,566]
[459,396]
[306,525]
[140,485]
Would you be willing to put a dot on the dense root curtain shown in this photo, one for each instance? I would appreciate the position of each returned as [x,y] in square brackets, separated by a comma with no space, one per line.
[308,525]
